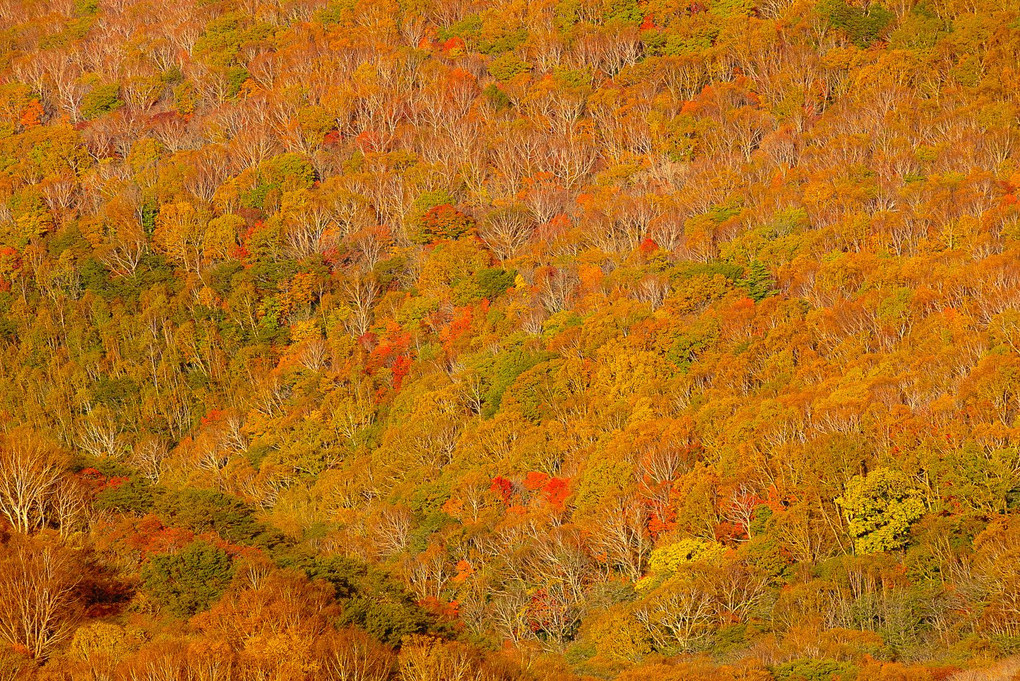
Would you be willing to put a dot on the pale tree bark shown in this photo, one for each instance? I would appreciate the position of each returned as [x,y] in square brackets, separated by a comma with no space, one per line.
[38,587]
[29,479]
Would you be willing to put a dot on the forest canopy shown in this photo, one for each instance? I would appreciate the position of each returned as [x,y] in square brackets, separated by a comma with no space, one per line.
[421,340]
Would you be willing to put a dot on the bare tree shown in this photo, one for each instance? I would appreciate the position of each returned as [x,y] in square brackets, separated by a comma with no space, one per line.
[38,583]
[360,294]
[101,436]
[351,655]
[680,617]
[149,455]
[29,478]
[429,572]
[621,535]
[556,288]
[507,230]
[393,529]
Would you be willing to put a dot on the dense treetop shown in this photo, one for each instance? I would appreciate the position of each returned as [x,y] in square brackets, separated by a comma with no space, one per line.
[439,339]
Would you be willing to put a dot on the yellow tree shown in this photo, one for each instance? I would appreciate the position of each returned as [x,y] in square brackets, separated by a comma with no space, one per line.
[180,233]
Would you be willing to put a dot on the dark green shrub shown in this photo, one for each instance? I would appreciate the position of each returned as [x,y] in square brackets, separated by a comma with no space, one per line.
[205,510]
[508,65]
[815,670]
[862,26]
[100,100]
[493,282]
[135,495]
[189,581]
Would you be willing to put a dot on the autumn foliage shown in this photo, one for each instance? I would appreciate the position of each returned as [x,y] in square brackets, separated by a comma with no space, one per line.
[569,339]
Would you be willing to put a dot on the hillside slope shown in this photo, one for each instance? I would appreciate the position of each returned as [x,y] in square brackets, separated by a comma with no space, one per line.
[435,339]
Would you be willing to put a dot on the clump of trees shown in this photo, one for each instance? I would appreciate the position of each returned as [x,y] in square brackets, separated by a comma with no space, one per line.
[558,340]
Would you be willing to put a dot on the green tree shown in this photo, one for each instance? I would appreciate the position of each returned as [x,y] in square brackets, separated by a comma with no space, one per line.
[189,581]
[100,100]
